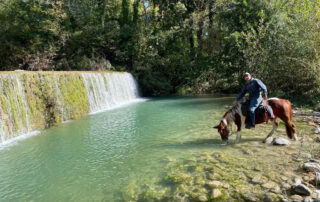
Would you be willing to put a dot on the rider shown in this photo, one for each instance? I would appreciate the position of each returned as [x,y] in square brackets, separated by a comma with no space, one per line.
[253,87]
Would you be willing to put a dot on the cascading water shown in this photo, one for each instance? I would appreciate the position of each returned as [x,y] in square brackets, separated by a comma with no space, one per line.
[32,101]
[109,90]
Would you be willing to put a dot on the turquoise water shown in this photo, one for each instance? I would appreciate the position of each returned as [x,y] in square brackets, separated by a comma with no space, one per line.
[99,157]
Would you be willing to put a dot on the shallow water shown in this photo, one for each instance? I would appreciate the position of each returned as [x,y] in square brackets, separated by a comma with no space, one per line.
[161,149]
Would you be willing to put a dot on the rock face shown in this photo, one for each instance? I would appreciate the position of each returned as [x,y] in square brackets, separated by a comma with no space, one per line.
[311,167]
[302,189]
[280,141]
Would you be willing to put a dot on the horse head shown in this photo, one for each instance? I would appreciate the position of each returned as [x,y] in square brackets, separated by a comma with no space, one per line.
[223,129]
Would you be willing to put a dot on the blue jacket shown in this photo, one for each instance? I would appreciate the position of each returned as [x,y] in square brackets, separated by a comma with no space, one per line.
[254,89]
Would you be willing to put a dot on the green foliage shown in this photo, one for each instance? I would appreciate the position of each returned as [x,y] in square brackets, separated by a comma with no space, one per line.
[170,46]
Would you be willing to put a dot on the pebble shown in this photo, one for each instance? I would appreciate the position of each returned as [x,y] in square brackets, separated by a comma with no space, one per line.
[296,197]
[280,141]
[305,155]
[216,193]
[202,198]
[214,184]
[214,176]
[269,185]
[297,181]
[302,189]
[318,139]
[311,167]
[317,130]
[257,180]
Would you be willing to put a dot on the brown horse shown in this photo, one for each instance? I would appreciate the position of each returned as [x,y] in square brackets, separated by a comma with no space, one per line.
[281,108]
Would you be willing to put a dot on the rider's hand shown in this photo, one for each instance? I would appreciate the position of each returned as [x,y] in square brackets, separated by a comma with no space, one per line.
[264,101]
[235,102]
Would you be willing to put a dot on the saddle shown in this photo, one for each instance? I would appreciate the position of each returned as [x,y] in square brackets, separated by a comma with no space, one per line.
[261,111]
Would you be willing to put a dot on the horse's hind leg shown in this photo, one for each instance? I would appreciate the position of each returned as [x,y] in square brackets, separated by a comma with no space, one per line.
[274,128]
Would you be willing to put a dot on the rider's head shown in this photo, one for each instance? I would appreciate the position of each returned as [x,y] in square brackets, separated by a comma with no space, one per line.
[247,76]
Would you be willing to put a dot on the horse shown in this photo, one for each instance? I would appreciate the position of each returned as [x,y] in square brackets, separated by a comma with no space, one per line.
[281,108]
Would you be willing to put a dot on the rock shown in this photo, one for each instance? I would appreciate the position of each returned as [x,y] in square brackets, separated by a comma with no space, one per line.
[317,192]
[214,184]
[257,180]
[311,167]
[318,139]
[296,197]
[202,198]
[305,155]
[286,186]
[302,189]
[280,141]
[316,130]
[269,185]
[297,181]
[214,176]
[216,193]
[306,178]
[226,186]
[284,200]
[284,178]
[308,199]
[268,140]
[276,190]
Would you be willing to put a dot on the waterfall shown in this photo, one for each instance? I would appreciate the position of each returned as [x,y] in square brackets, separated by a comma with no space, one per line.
[109,90]
[31,101]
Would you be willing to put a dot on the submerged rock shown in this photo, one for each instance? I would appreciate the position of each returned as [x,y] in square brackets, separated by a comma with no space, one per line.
[257,180]
[214,184]
[216,193]
[202,198]
[311,167]
[270,185]
[302,189]
[280,141]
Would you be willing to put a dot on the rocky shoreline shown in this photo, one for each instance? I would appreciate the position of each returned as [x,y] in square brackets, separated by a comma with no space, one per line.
[279,170]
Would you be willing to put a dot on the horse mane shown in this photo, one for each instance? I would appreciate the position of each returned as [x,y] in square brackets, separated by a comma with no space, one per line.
[230,114]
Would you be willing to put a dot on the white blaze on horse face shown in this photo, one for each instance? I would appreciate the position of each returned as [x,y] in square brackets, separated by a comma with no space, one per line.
[225,122]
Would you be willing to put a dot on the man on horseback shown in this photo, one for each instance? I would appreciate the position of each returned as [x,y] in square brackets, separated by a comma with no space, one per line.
[253,87]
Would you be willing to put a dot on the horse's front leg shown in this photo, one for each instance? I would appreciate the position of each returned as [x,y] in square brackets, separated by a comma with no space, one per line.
[274,128]
[238,136]
[239,124]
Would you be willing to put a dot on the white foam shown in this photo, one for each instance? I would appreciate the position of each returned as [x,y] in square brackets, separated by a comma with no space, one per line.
[119,105]
[17,139]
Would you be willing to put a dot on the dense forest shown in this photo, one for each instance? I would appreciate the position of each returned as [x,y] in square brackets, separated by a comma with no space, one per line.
[171,46]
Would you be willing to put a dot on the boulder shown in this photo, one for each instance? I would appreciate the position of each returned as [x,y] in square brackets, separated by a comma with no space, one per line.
[311,167]
[302,189]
